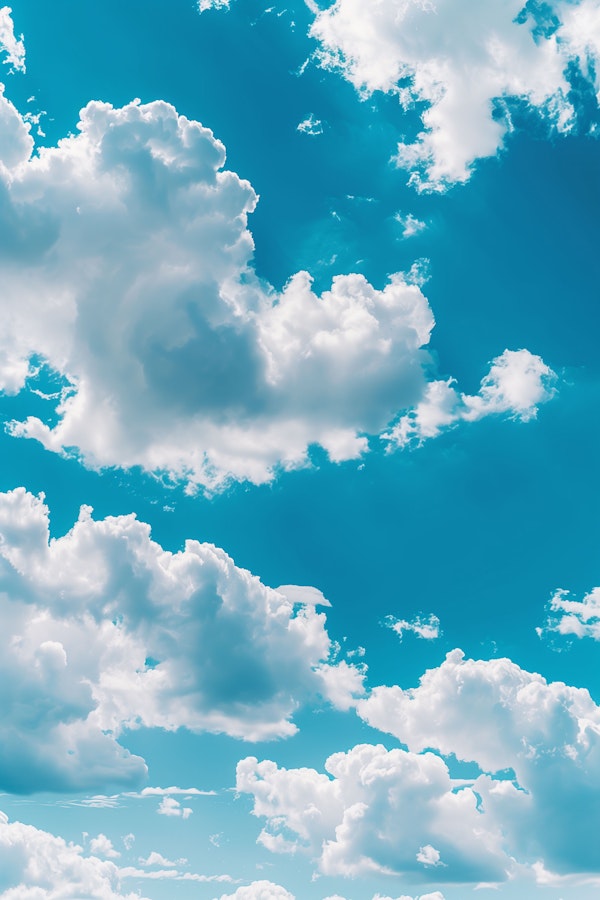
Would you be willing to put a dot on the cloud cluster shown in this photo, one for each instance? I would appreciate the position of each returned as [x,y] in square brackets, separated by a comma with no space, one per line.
[504,718]
[10,45]
[259,890]
[464,63]
[36,865]
[536,745]
[575,618]
[517,383]
[126,268]
[103,629]
[354,819]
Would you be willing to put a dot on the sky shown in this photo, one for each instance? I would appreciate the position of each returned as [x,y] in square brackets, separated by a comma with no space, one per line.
[300,583]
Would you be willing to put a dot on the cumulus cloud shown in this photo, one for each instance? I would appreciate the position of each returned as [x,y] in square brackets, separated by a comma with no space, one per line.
[134,282]
[493,713]
[516,385]
[103,629]
[575,618]
[353,819]
[410,224]
[436,895]
[126,269]
[169,806]
[103,846]
[259,890]
[465,63]
[12,47]
[36,865]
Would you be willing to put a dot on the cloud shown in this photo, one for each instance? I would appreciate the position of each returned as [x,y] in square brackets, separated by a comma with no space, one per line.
[466,64]
[410,224]
[157,859]
[203,5]
[516,385]
[171,807]
[575,618]
[104,629]
[126,267]
[436,895]
[426,627]
[259,890]
[13,47]
[311,125]
[36,865]
[134,282]
[102,846]
[353,819]
[544,737]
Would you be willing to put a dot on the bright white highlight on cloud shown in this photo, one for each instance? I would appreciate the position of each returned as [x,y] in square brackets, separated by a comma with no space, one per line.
[36,865]
[464,61]
[516,385]
[13,47]
[576,618]
[505,718]
[103,629]
[426,627]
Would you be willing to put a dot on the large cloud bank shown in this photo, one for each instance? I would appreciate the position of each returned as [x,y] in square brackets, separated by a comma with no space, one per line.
[537,745]
[103,629]
[463,61]
[126,267]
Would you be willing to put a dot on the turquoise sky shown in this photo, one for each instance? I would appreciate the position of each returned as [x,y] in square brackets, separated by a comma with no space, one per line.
[298,380]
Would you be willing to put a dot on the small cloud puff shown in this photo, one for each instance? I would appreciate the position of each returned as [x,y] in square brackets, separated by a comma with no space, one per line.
[426,627]
[103,629]
[311,125]
[516,385]
[171,807]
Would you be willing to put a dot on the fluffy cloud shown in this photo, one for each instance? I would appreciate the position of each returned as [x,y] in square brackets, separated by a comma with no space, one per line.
[517,383]
[126,268]
[10,45]
[505,718]
[436,895]
[576,618]
[354,819]
[463,61]
[259,890]
[36,865]
[103,629]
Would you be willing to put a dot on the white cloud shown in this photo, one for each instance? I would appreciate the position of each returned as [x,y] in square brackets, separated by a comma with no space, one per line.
[102,629]
[353,819]
[170,791]
[259,890]
[517,383]
[436,895]
[102,846]
[410,224]
[203,5]
[505,718]
[134,281]
[126,267]
[576,618]
[13,47]
[311,125]
[464,61]
[36,865]
[426,627]
[171,807]
[157,859]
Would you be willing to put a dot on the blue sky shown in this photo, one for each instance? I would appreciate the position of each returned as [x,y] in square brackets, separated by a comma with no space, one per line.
[299,571]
